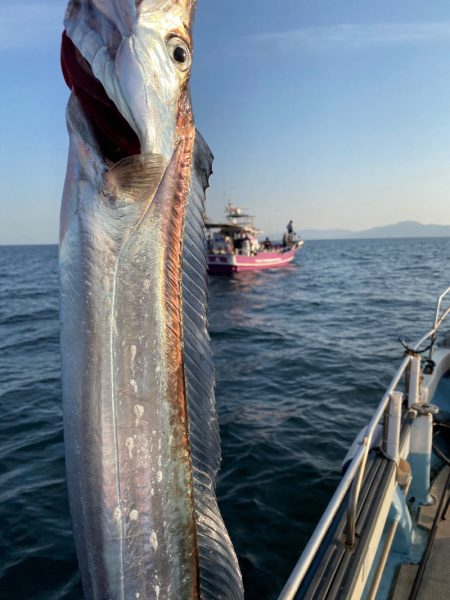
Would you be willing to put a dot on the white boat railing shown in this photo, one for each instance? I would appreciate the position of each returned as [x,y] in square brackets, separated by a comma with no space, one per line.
[355,471]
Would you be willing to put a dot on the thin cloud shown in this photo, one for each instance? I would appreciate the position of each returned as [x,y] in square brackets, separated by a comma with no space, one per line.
[352,36]
[30,24]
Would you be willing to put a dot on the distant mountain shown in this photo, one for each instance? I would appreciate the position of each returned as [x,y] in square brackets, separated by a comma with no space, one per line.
[404,229]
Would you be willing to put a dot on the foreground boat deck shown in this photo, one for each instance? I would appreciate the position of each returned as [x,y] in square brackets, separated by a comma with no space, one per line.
[435,582]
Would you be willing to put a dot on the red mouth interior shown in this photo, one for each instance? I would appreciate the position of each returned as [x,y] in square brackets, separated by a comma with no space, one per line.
[115,137]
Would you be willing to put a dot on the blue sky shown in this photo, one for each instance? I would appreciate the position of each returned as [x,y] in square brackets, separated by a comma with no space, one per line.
[334,114]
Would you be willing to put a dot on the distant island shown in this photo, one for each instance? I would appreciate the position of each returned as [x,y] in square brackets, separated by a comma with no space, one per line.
[404,229]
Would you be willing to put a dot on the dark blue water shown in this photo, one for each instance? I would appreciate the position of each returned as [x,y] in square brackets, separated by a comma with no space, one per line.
[302,358]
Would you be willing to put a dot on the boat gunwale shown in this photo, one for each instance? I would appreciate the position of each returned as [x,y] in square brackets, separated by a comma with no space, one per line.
[309,553]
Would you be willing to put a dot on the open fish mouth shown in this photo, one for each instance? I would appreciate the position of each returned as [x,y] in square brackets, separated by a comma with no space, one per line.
[140,426]
[116,138]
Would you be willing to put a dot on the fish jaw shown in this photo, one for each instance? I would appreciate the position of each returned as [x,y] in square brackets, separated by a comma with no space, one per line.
[130,48]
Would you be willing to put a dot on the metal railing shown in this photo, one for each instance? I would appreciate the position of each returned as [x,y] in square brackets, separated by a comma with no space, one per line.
[355,471]
[438,319]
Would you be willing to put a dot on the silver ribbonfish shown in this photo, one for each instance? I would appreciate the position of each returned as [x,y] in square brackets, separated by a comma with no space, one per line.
[141,433]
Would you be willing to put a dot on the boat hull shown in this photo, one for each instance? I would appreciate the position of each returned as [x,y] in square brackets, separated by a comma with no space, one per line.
[227,264]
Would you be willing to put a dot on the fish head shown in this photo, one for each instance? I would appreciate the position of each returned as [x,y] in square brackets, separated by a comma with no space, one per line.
[156,61]
[140,51]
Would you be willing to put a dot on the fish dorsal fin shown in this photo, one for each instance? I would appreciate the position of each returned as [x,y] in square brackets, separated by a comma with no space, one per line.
[135,178]
[219,569]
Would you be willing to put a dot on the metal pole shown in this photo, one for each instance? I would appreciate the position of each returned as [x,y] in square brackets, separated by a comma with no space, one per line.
[394,423]
[414,395]
[354,497]
[383,559]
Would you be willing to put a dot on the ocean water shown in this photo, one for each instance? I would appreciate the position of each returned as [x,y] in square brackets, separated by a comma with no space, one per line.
[302,359]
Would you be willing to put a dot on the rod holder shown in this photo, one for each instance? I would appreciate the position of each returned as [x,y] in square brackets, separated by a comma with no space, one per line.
[420,451]
[414,387]
[393,427]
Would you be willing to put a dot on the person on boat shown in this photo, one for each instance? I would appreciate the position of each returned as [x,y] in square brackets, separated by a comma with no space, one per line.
[210,244]
[246,246]
[290,232]
[229,246]
[267,244]
[285,241]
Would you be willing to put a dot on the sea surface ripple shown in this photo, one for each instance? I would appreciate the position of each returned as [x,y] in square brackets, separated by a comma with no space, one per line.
[302,356]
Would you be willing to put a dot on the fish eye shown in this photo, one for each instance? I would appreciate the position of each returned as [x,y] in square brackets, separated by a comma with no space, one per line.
[179,53]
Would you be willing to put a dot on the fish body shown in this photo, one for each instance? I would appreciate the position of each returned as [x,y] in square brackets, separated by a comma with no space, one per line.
[141,433]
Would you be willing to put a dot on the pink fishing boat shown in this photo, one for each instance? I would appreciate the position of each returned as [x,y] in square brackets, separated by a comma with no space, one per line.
[233,246]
